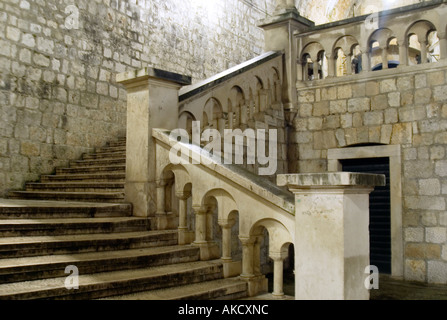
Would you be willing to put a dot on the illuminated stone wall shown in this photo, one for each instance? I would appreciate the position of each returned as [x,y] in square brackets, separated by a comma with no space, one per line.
[58,61]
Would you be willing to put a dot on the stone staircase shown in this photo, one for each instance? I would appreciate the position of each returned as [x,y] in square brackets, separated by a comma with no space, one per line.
[78,217]
[98,177]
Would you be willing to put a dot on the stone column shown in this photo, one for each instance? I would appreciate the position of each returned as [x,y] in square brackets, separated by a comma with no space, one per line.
[247,257]
[349,64]
[208,249]
[162,218]
[423,51]
[184,235]
[443,44]
[152,102]
[331,66]
[200,215]
[403,53]
[332,236]
[384,57]
[366,60]
[299,70]
[231,268]
[315,67]
[278,273]
[257,282]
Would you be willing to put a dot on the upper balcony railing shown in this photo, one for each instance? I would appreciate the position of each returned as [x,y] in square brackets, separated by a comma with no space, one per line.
[395,38]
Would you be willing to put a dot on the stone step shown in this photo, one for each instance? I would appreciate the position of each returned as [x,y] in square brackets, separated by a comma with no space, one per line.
[44,267]
[118,143]
[120,148]
[76,187]
[67,226]
[87,177]
[71,196]
[92,169]
[39,209]
[103,155]
[221,289]
[15,247]
[100,285]
[98,162]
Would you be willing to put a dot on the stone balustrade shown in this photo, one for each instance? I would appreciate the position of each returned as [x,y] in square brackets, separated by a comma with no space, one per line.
[395,38]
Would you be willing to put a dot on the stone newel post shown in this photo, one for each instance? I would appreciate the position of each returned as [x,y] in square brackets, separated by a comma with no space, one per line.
[152,102]
[332,235]
[279,36]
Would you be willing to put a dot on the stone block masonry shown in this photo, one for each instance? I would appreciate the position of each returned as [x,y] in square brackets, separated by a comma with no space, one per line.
[58,61]
[406,107]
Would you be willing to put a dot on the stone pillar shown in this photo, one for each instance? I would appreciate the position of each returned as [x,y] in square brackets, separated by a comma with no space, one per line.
[366,60]
[299,70]
[185,236]
[384,57]
[247,257]
[152,102]
[278,273]
[403,52]
[315,67]
[208,249]
[257,282]
[349,64]
[423,51]
[443,44]
[332,235]
[279,36]
[231,268]
[162,219]
[331,66]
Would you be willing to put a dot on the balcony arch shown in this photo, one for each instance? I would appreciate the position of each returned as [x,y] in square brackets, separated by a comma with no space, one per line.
[314,63]
[383,45]
[213,115]
[186,119]
[345,56]
[423,43]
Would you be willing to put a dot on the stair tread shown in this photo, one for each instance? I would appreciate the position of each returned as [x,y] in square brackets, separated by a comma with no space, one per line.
[75,183]
[105,277]
[60,221]
[81,237]
[70,259]
[16,203]
[90,193]
[182,292]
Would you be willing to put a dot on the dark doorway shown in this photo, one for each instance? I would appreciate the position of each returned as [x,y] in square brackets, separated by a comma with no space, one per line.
[380,208]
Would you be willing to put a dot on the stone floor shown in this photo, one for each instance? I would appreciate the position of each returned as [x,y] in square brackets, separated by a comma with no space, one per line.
[389,289]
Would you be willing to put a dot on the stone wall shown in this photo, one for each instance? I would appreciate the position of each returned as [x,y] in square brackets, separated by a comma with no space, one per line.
[406,107]
[58,61]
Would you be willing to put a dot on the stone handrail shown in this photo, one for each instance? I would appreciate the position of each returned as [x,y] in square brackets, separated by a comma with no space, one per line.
[247,96]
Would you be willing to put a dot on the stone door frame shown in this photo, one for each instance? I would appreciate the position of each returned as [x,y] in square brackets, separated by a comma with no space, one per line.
[393,152]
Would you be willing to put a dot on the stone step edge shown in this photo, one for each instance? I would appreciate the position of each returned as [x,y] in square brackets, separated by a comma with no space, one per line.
[213,289]
[67,226]
[44,267]
[102,283]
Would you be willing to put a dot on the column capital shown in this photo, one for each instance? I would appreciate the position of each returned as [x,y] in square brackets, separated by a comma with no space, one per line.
[246,240]
[226,223]
[199,209]
[278,256]
[183,195]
